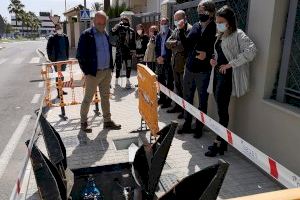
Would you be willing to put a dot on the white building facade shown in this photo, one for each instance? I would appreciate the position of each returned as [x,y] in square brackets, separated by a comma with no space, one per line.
[45,29]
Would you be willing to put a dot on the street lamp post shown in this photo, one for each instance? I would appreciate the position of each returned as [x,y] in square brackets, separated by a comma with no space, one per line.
[85,22]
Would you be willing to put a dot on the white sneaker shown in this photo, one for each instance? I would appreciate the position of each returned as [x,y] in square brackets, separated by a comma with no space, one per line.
[117,82]
[128,84]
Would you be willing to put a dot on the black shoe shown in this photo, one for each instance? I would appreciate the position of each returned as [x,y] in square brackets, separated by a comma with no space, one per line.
[181,116]
[225,147]
[175,109]
[197,134]
[65,93]
[167,105]
[84,127]
[112,125]
[214,152]
[186,128]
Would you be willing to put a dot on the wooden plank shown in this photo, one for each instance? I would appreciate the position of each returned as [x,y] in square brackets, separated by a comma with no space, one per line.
[289,194]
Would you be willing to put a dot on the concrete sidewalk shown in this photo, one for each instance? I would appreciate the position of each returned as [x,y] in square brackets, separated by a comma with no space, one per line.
[185,157]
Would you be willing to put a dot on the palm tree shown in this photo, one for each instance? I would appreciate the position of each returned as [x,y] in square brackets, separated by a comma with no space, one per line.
[24,19]
[97,6]
[16,7]
[116,11]
[35,22]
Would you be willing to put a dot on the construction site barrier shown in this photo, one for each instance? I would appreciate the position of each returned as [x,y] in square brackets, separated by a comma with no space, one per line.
[263,161]
[147,93]
[61,75]
[147,99]
[16,192]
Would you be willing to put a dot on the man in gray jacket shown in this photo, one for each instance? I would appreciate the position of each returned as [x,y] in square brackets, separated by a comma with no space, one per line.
[178,58]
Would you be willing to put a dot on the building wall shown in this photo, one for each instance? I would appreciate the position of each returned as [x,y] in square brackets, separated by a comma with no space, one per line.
[153,5]
[46,27]
[269,126]
[77,32]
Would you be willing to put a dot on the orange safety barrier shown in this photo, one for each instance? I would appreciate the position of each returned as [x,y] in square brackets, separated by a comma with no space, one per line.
[53,71]
[147,92]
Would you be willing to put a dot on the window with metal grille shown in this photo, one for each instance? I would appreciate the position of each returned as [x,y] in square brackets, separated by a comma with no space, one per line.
[288,89]
[239,6]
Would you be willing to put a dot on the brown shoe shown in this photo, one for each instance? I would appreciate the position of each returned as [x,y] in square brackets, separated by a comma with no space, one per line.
[84,127]
[112,125]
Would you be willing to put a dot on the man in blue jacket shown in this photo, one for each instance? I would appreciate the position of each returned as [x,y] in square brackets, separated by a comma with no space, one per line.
[163,56]
[94,55]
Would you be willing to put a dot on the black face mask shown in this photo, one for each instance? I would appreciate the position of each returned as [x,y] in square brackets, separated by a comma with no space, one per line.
[203,17]
[124,23]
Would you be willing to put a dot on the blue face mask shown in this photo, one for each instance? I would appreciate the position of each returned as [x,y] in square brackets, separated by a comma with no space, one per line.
[221,27]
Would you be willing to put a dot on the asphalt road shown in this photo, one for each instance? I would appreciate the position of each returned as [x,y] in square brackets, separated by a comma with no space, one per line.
[21,91]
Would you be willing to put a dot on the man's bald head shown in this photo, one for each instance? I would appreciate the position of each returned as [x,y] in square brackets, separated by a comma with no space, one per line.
[100,20]
[179,15]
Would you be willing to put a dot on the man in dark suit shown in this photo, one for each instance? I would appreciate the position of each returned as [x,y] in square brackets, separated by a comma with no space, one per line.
[163,56]
[94,55]
[58,49]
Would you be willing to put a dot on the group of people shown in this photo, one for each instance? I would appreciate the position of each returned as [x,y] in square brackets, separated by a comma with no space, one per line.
[212,56]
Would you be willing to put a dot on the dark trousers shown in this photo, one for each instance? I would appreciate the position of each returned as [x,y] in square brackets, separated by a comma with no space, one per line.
[165,76]
[222,89]
[152,66]
[123,56]
[191,82]
[178,80]
[119,67]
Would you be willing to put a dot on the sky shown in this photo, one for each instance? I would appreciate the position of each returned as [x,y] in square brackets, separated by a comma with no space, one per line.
[36,6]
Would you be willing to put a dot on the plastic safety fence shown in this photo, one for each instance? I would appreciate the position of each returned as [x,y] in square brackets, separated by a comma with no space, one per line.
[265,162]
[16,193]
[65,74]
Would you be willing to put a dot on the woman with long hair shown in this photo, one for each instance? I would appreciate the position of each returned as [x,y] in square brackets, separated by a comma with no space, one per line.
[234,50]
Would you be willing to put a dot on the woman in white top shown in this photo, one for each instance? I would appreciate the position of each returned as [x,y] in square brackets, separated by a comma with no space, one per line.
[234,50]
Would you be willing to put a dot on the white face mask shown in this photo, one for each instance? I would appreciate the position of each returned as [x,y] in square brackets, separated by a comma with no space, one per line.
[60,31]
[221,27]
[140,32]
[164,28]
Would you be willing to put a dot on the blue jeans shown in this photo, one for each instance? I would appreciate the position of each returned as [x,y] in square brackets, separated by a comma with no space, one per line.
[191,82]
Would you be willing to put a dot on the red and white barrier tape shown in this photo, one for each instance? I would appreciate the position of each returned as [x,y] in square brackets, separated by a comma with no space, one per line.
[265,162]
[16,193]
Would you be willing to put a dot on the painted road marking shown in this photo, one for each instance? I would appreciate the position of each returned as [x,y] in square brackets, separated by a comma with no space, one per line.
[12,144]
[41,84]
[35,98]
[3,60]
[35,60]
[18,61]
